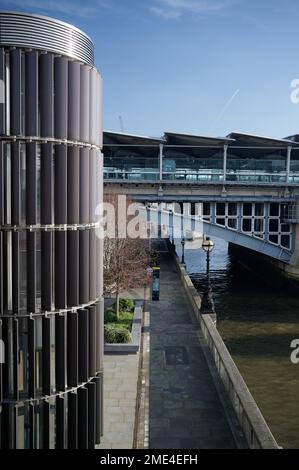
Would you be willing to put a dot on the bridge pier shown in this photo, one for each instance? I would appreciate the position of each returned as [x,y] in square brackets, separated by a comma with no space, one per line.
[271,271]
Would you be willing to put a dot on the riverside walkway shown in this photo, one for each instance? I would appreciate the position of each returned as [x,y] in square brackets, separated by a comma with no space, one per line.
[185,410]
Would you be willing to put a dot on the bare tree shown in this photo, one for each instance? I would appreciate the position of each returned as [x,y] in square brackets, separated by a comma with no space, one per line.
[125,259]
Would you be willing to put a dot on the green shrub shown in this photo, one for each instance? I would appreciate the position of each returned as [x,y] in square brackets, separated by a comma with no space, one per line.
[124,336]
[110,316]
[125,305]
[110,334]
[114,334]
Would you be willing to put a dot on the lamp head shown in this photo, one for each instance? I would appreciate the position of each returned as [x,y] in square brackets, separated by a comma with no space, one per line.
[207,244]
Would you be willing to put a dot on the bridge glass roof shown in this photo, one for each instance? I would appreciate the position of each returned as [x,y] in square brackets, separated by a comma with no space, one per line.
[252,140]
[293,138]
[119,138]
[186,140]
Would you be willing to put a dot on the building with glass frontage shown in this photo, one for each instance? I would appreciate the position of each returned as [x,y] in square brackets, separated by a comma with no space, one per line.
[239,158]
[51,306]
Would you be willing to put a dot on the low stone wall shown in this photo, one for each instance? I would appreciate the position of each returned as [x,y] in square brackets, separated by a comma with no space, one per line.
[254,426]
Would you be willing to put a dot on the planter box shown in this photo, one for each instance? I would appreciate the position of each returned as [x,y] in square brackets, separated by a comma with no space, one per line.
[134,345]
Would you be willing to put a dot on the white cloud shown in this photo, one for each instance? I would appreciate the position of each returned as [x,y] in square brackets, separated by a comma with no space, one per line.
[84,10]
[171,9]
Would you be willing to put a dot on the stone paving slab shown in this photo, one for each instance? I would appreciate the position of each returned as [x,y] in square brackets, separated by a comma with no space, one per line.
[120,392]
[185,411]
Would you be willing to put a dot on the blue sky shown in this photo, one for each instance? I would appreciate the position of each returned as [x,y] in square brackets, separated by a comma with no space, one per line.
[197,66]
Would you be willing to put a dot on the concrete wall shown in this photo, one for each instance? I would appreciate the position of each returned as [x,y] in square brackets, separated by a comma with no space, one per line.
[254,426]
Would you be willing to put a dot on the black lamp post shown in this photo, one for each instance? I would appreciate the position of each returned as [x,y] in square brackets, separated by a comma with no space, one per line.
[172,229]
[208,246]
[183,250]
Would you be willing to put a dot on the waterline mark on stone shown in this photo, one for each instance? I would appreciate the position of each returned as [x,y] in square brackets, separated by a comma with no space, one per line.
[2,352]
[295,353]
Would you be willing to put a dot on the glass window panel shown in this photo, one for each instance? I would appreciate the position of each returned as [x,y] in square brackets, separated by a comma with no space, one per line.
[259,209]
[232,209]
[195,158]
[206,208]
[273,225]
[294,167]
[247,209]
[140,162]
[220,222]
[286,241]
[247,225]
[274,210]
[220,208]
[254,160]
[232,223]
[285,228]
[259,225]
[273,239]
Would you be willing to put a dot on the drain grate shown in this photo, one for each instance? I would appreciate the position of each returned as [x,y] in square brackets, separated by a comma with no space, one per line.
[176,356]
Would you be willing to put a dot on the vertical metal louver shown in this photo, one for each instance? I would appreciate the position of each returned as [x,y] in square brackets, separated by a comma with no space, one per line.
[51,305]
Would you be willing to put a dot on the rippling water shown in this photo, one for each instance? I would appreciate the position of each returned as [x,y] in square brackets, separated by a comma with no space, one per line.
[257,323]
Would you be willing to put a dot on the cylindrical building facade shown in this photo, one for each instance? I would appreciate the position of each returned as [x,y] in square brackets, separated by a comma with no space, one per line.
[51,306]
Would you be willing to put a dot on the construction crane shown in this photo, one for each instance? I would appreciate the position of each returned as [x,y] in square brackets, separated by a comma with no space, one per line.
[121,122]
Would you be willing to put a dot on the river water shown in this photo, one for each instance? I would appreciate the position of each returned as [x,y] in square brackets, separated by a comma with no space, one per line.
[257,323]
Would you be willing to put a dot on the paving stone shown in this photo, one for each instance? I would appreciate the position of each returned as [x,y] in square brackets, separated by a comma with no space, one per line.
[120,389]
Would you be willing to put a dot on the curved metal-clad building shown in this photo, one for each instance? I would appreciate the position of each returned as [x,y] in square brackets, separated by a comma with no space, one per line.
[51,307]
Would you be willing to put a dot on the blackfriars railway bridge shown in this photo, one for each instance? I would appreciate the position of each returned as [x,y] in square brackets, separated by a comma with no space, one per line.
[245,186]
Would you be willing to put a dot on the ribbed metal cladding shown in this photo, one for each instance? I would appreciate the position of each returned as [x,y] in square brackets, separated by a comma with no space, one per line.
[51,282]
[42,33]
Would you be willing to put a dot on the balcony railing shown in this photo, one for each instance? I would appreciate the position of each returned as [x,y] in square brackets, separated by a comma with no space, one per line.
[190,176]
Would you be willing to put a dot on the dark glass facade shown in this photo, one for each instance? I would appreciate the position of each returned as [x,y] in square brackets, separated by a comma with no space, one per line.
[51,305]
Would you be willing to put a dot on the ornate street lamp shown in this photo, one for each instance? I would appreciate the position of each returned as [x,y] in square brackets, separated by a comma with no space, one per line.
[183,250]
[208,246]
[172,228]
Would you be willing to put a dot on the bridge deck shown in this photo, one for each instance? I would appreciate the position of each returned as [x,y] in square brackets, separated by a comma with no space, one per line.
[185,409]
